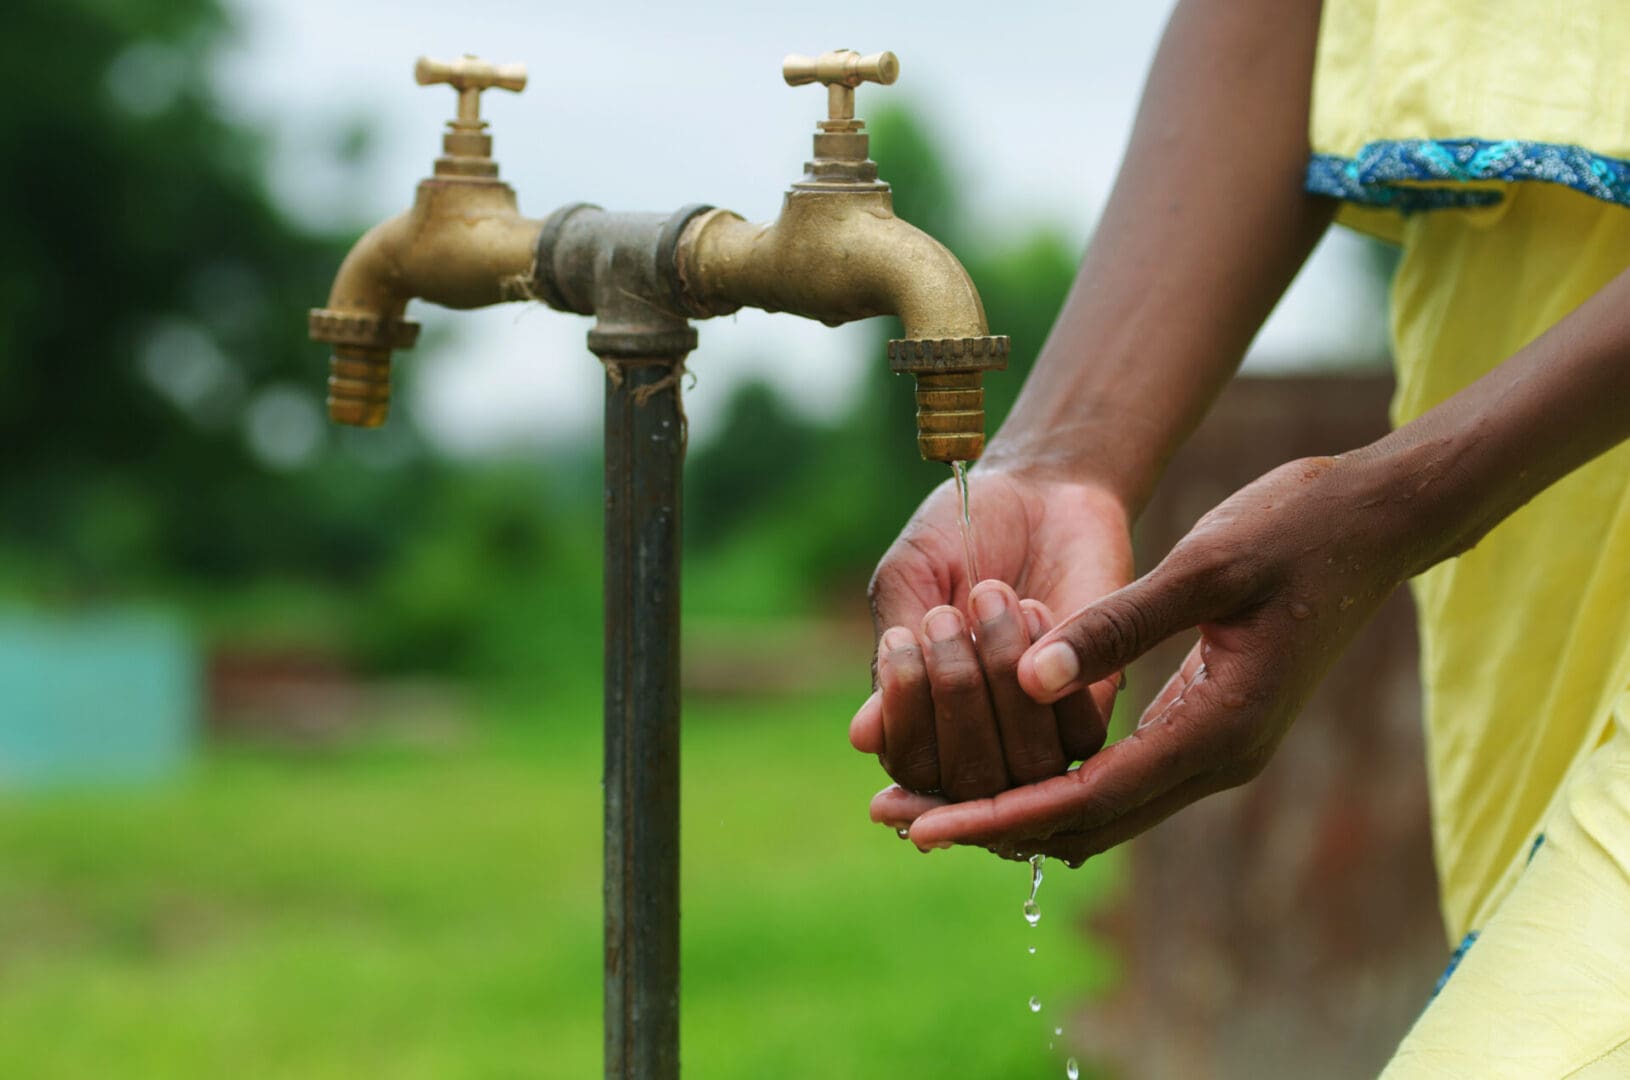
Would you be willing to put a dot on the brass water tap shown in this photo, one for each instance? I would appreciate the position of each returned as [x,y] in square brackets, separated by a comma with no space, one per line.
[463,244]
[838,253]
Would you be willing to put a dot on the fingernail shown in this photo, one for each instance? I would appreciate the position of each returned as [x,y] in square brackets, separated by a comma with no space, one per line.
[896,638]
[944,625]
[1056,666]
[1032,622]
[989,604]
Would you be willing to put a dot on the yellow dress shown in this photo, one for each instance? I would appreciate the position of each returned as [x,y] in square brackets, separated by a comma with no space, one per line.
[1491,140]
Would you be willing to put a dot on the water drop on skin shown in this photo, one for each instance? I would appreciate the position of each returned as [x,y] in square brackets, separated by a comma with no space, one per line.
[902,833]
[1072,1070]
[1035,1004]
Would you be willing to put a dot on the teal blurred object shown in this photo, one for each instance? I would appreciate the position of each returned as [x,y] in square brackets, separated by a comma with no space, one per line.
[105,698]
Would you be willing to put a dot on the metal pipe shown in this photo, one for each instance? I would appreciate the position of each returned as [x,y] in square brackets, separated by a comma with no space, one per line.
[618,268]
[645,450]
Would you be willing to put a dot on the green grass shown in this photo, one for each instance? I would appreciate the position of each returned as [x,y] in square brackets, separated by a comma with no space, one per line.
[410,912]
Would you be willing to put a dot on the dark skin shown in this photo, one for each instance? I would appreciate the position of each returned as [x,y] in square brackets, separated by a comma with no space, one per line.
[1278,578]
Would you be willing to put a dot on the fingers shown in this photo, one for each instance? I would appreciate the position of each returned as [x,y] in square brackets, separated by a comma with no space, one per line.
[866,729]
[1106,636]
[970,751]
[1028,731]
[1113,783]
[909,747]
[1075,847]
[897,808]
[1082,725]
[1081,720]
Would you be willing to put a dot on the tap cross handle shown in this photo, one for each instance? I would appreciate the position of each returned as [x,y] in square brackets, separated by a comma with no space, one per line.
[469,75]
[841,70]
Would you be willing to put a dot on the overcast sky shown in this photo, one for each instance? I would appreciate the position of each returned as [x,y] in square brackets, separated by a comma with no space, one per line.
[651,106]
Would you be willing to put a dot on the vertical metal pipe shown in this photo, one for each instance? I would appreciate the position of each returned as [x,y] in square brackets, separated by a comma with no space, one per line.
[645,449]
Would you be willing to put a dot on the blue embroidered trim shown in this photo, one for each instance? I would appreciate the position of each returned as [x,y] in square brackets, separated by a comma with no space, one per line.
[1454,962]
[1379,174]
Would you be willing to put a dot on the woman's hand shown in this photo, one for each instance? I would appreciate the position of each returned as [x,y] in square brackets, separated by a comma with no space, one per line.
[948,715]
[1277,580]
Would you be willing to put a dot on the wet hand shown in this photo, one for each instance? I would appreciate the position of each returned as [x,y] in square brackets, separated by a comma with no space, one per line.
[949,715]
[1277,580]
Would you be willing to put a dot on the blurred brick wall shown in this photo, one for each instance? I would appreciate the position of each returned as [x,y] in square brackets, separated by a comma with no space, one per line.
[1288,928]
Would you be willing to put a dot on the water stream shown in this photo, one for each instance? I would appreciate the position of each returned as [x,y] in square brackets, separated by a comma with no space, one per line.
[1032,916]
[1032,910]
[970,542]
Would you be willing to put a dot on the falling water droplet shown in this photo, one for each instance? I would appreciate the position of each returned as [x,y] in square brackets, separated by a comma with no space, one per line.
[1032,950]
[1032,912]
[1058,1031]
[1035,1004]
[1072,1070]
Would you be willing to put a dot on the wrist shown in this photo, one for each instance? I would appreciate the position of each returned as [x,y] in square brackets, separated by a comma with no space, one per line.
[1081,447]
[1422,501]
[1064,480]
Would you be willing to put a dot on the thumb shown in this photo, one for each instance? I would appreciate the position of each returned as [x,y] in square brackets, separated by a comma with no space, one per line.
[1108,634]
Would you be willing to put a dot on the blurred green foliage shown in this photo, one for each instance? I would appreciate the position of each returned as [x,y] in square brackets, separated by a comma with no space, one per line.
[151,305]
[163,425]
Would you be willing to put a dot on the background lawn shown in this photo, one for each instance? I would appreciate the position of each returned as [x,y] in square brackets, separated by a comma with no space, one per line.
[414,909]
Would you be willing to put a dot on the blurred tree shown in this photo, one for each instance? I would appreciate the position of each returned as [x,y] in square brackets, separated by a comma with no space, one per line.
[162,409]
[763,453]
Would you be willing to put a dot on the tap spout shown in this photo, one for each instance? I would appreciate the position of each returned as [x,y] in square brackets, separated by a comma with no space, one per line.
[838,256]
[832,257]
[463,244]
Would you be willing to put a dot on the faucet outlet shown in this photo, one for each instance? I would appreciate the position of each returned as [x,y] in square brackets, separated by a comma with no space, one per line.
[950,374]
[463,244]
[838,253]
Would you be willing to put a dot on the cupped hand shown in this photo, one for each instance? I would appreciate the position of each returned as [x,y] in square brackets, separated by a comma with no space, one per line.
[948,715]
[1277,579]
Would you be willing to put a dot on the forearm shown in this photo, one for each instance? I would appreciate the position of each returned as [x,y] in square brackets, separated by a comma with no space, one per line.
[1206,226]
[1448,477]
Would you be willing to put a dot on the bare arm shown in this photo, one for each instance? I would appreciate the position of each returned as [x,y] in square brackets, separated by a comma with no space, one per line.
[1206,226]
